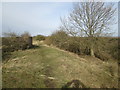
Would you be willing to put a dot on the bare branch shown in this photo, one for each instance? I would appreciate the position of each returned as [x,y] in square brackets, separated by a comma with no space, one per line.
[89,18]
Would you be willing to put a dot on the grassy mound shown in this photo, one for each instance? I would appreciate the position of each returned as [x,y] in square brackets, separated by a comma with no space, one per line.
[45,67]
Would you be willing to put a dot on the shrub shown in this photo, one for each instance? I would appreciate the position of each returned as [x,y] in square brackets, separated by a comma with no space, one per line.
[74,47]
[103,55]
[48,40]
[105,48]
[59,38]
[39,37]
[13,43]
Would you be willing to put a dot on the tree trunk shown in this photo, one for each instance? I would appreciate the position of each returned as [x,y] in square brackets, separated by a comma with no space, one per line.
[91,45]
[92,52]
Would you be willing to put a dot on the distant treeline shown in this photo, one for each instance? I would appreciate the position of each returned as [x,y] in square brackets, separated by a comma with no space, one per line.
[105,47]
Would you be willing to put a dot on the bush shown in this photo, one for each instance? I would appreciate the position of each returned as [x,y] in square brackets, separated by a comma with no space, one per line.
[13,43]
[103,55]
[74,47]
[73,44]
[48,40]
[58,39]
[39,37]
[105,48]
[114,48]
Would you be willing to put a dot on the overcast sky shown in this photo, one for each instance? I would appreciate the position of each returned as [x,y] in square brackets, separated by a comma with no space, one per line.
[35,17]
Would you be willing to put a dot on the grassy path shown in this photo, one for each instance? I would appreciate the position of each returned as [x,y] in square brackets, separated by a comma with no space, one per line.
[44,67]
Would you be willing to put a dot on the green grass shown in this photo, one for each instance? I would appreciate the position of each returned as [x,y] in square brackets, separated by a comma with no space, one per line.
[44,67]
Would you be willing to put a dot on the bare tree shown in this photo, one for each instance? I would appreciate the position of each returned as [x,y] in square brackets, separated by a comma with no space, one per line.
[89,19]
[10,34]
[25,34]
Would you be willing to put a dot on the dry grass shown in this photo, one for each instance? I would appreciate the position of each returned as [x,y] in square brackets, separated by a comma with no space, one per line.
[51,67]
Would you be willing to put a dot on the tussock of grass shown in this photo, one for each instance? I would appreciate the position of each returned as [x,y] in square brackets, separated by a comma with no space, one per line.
[44,66]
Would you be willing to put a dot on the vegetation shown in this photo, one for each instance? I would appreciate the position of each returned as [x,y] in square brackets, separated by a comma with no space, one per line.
[13,42]
[85,31]
[89,19]
[50,67]
[39,37]
[78,55]
[105,48]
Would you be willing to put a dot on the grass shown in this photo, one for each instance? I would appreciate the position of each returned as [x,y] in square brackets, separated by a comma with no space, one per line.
[45,67]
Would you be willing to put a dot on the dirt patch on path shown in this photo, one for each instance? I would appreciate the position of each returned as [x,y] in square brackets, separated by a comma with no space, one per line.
[49,80]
